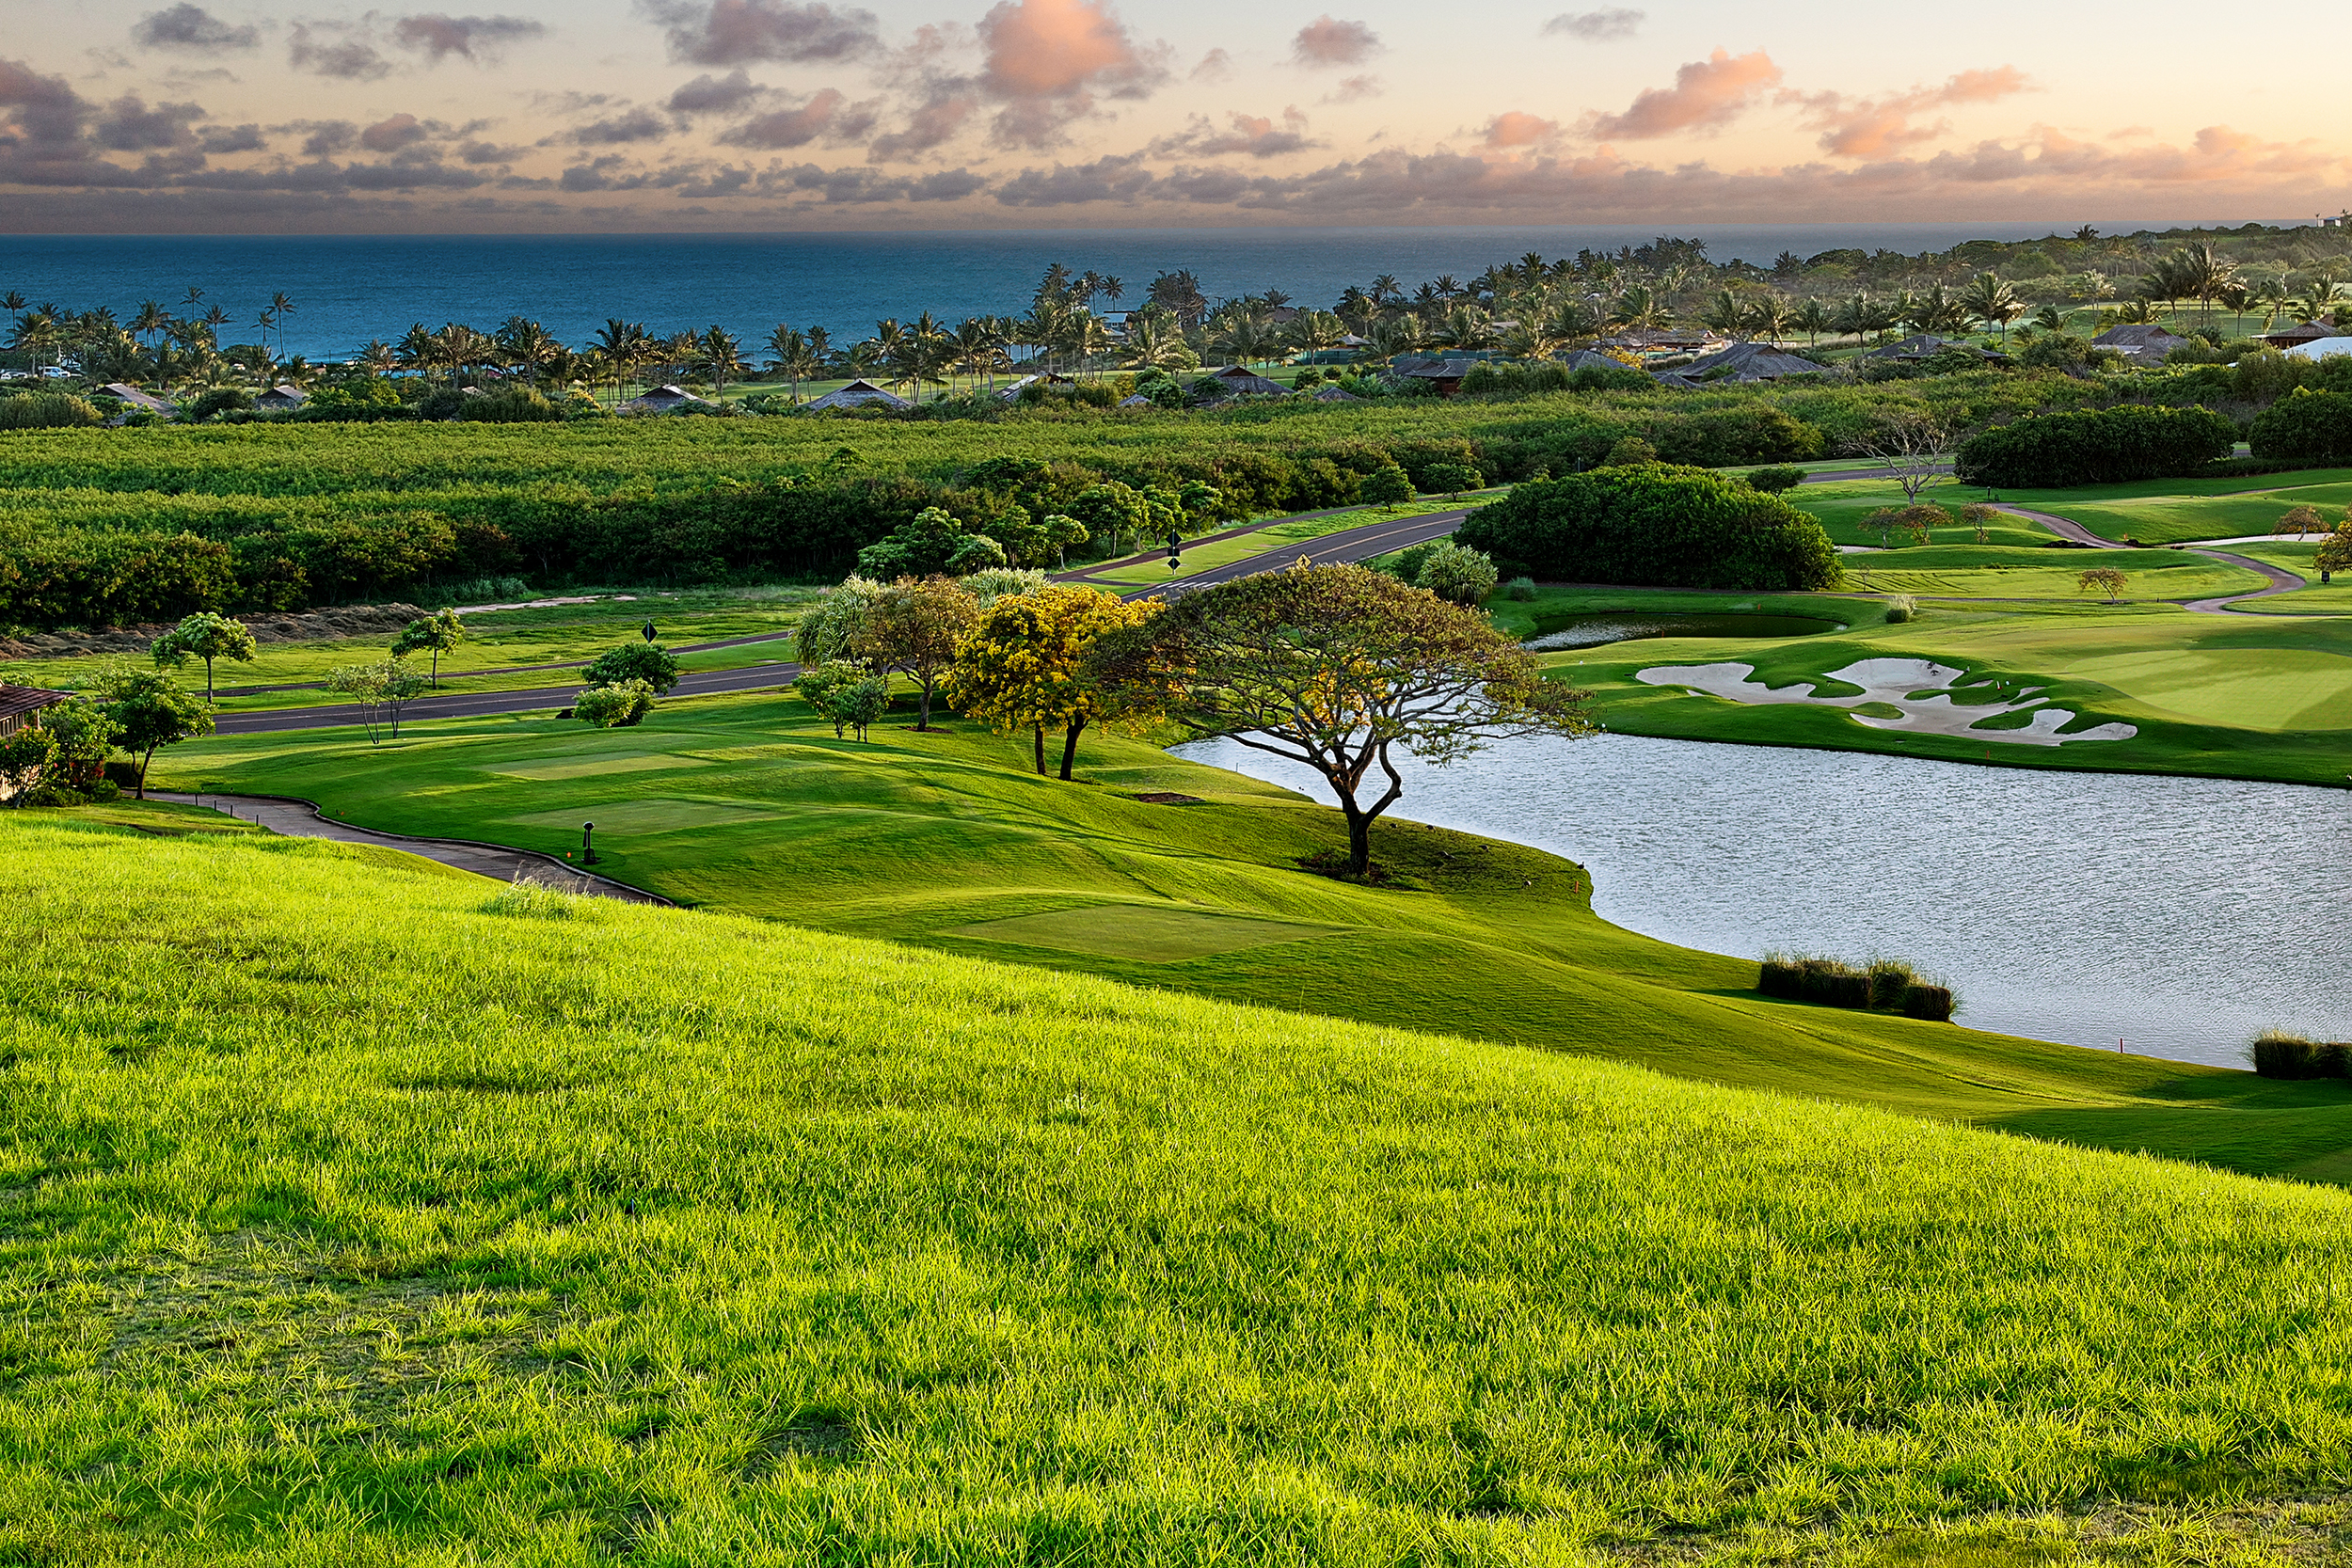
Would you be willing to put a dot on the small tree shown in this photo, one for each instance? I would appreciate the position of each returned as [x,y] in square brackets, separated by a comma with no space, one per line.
[917,627]
[1453,478]
[1336,666]
[82,735]
[1978,516]
[649,662]
[383,689]
[1387,486]
[864,701]
[834,628]
[2105,578]
[146,710]
[1024,667]
[25,755]
[2302,520]
[1063,534]
[1111,511]
[1457,574]
[1910,446]
[824,688]
[2335,551]
[1913,522]
[1629,453]
[438,632]
[615,706]
[204,636]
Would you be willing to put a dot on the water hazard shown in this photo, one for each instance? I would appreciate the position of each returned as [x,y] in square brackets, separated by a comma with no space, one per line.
[2178,915]
[1591,631]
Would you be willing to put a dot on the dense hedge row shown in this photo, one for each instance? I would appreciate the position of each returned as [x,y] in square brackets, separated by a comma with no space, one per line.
[2108,446]
[100,526]
[1653,526]
[2305,427]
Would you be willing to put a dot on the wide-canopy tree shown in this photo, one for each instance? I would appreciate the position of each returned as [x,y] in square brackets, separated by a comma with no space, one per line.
[1338,668]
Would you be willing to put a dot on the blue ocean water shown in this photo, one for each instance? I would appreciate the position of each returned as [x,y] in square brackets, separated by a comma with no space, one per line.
[348,290]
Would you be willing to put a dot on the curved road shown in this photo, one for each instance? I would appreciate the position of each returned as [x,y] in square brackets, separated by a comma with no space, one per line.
[2281,580]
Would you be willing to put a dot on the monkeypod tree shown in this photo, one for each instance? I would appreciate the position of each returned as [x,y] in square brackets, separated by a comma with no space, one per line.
[204,636]
[1338,668]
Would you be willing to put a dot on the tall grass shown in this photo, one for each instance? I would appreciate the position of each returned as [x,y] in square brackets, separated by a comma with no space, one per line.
[349,1221]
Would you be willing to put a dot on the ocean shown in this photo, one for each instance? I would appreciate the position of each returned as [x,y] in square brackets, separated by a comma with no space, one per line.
[348,290]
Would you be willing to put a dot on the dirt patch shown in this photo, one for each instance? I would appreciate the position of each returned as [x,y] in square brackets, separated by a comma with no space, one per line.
[312,626]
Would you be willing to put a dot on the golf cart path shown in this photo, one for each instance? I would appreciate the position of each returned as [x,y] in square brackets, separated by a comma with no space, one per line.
[2279,579]
[299,818]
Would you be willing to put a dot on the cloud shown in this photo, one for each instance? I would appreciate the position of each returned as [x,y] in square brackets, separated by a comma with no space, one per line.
[436,35]
[229,139]
[1214,66]
[1252,134]
[43,113]
[829,114]
[1353,88]
[1605,26]
[639,125]
[1108,179]
[741,32]
[1513,128]
[1329,41]
[194,29]
[846,186]
[314,48]
[707,94]
[486,153]
[1046,59]
[322,136]
[1874,127]
[128,125]
[935,120]
[1707,95]
[390,136]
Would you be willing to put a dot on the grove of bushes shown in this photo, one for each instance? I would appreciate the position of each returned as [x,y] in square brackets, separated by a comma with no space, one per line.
[1651,525]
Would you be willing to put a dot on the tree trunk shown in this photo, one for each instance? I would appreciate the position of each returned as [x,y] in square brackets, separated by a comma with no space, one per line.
[1041,751]
[1358,838]
[924,720]
[1070,748]
[143,762]
[208,680]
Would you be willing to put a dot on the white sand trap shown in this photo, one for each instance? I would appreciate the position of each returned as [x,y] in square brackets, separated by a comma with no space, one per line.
[1893,681]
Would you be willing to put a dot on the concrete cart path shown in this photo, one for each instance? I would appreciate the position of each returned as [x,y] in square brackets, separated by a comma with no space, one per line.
[296,818]
[2280,581]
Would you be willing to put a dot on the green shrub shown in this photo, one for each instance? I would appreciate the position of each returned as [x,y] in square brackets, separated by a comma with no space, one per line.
[1933,1004]
[2305,426]
[1900,608]
[1891,979]
[2107,447]
[511,405]
[1407,564]
[1519,590]
[2279,1054]
[618,706]
[1653,526]
[220,400]
[47,411]
[648,664]
[1455,573]
[1773,480]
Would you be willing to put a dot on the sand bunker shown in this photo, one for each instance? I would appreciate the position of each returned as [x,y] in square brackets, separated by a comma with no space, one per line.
[1892,682]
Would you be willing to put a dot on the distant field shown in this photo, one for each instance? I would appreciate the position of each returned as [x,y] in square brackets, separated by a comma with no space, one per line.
[368,1215]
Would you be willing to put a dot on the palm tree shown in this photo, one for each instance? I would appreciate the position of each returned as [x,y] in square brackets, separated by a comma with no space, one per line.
[1155,341]
[152,319]
[2050,318]
[417,352]
[721,358]
[1991,301]
[36,334]
[1814,317]
[526,344]
[787,355]
[281,307]
[1386,288]
[1179,293]
[1856,314]
[1769,314]
[2236,296]
[378,358]
[1724,313]
[623,345]
[2270,297]
[1638,308]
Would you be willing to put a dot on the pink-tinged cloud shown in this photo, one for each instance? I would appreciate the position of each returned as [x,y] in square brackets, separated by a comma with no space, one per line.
[437,36]
[1351,88]
[130,126]
[1874,127]
[1329,41]
[1214,66]
[1249,136]
[717,95]
[1046,59]
[1708,95]
[742,32]
[936,121]
[829,114]
[390,136]
[1513,128]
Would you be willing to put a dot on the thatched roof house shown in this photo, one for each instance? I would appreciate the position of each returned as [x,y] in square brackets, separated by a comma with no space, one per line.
[1137,400]
[1741,362]
[280,398]
[2143,344]
[123,392]
[1237,380]
[665,399]
[1046,381]
[1332,394]
[1443,372]
[860,394]
[2307,332]
[18,704]
[1576,359]
[1671,340]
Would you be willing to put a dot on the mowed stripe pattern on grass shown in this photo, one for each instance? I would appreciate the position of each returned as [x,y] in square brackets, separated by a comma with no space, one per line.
[360,1220]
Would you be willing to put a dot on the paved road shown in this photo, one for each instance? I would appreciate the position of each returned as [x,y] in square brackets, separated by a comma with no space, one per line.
[1355,544]
[521,669]
[299,818]
[2280,581]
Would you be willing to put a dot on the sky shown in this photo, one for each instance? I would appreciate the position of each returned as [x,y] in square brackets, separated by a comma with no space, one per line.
[596,116]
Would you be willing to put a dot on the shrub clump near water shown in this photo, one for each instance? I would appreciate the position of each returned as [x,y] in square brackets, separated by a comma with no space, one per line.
[1653,526]
[2279,1054]
[2108,446]
[1884,985]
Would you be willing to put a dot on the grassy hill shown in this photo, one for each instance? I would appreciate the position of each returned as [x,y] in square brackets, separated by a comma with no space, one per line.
[749,805]
[359,1213]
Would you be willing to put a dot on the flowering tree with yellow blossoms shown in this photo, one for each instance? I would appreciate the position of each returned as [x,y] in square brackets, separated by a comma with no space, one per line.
[1024,667]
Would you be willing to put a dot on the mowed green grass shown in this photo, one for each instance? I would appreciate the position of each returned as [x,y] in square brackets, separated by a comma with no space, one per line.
[1200,556]
[361,1213]
[946,840]
[2231,696]
[2187,516]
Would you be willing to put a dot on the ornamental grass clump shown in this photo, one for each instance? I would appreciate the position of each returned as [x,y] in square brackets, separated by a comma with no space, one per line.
[2279,1054]
[1884,985]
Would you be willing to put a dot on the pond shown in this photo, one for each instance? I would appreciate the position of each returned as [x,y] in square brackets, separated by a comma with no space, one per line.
[2178,915]
[1622,626]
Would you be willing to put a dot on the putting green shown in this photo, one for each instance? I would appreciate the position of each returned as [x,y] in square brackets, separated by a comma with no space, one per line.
[1147,932]
[589,767]
[2247,688]
[656,816]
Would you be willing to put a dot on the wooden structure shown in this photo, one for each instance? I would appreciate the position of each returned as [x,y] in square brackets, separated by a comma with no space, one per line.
[2143,344]
[665,399]
[19,704]
[278,399]
[1741,362]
